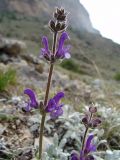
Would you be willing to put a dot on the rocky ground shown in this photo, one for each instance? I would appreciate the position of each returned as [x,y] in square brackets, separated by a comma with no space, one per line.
[19,130]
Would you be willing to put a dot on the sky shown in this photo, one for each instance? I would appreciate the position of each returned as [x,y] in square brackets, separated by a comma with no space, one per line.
[105,16]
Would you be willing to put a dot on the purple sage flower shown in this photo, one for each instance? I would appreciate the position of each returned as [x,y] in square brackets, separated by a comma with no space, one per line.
[54,107]
[85,153]
[32,103]
[63,52]
[45,51]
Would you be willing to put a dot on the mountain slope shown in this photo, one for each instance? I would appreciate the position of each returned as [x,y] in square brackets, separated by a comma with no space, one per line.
[79,17]
[27,19]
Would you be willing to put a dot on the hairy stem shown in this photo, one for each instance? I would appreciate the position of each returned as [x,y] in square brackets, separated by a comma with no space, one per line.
[46,98]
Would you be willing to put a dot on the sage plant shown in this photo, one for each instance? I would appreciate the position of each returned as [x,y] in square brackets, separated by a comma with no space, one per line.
[90,120]
[52,106]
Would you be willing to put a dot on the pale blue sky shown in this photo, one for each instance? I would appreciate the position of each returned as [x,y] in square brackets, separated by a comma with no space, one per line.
[105,16]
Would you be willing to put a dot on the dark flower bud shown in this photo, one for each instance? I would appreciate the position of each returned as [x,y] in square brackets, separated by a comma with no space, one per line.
[85,120]
[63,26]
[58,27]
[55,15]
[52,25]
[93,109]
[95,122]
[60,14]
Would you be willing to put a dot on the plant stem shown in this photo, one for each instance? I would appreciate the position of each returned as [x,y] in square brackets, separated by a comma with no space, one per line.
[85,134]
[84,138]
[54,43]
[46,98]
[41,135]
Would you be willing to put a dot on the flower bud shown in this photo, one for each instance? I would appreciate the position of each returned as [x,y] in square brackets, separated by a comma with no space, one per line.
[60,14]
[52,25]
[93,109]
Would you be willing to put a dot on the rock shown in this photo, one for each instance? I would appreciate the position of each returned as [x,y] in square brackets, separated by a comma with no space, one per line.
[2,129]
[4,58]
[25,154]
[18,122]
[30,58]
[39,68]
[35,130]
[97,83]
[39,65]
[12,47]
[27,138]
[46,143]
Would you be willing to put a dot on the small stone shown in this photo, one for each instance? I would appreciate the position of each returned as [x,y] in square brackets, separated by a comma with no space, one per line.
[35,130]
[39,68]
[2,129]
[4,58]
[18,122]
[13,127]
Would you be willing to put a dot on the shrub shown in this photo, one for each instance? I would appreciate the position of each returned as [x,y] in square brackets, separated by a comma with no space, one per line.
[71,65]
[7,78]
[117,76]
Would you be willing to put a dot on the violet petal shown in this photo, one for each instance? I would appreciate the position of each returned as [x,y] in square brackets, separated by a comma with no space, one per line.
[88,143]
[51,105]
[56,113]
[74,156]
[82,155]
[45,43]
[58,97]
[63,37]
[33,102]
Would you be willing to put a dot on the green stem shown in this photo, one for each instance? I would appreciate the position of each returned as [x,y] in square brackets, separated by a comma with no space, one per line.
[46,98]
[41,135]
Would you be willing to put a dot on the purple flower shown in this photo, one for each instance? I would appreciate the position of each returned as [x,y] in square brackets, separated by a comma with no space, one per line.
[75,156]
[54,107]
[90,119]
[85,153]
[89,147]
[45,51]
[63,52]
[32,103]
